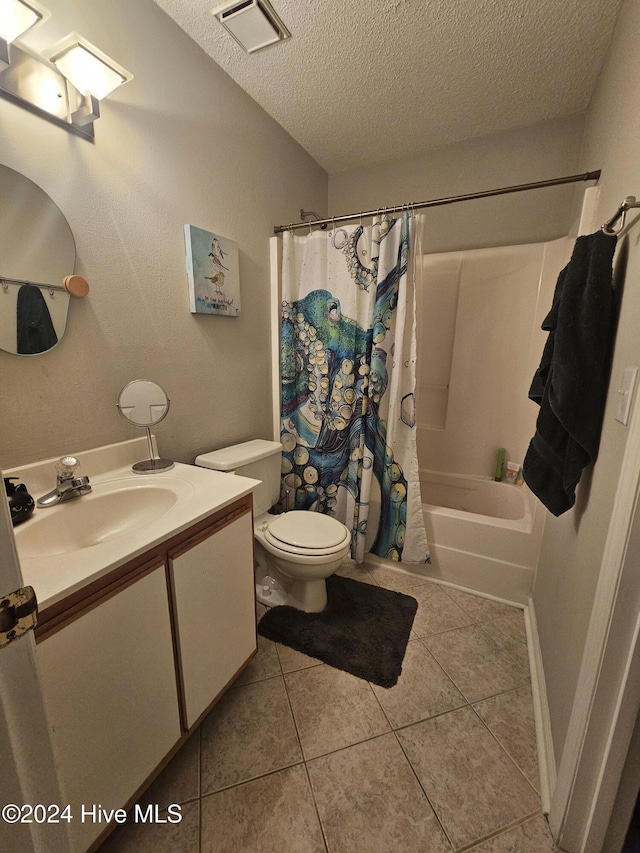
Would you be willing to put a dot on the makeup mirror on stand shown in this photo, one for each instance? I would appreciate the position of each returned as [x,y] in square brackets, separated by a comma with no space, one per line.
[144,404]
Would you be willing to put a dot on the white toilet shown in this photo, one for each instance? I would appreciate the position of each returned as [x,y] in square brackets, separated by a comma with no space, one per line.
[295,551]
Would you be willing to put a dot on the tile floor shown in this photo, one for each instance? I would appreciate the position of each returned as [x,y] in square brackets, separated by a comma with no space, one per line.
[301,757]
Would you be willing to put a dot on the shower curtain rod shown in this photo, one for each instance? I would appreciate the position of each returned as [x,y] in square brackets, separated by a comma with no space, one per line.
[436,202]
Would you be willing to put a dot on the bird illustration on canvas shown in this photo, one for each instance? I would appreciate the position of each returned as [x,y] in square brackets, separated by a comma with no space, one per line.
[216,254]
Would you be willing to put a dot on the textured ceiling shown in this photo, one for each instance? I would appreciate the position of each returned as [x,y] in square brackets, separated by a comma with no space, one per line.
[364,81]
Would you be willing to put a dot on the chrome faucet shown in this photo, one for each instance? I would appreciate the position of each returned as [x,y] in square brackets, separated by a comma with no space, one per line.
[68,485]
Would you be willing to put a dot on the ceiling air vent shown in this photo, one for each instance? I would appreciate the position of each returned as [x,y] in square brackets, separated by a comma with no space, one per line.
[253,23]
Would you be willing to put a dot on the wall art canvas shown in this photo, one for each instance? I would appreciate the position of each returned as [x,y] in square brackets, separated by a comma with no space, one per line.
[212,267]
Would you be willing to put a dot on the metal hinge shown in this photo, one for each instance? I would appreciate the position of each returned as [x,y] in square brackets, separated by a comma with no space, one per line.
[18,614]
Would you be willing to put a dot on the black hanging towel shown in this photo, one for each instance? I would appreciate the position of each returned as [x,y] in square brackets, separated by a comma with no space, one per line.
[34,325]
[571,383]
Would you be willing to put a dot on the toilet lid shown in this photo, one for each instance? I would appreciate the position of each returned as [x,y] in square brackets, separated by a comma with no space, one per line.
[311,530]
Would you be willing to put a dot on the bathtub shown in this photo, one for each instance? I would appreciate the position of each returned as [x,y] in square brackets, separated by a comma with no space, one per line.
[483,536]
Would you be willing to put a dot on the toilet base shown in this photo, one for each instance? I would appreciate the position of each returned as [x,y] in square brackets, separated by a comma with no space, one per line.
[308,595]
[270,592]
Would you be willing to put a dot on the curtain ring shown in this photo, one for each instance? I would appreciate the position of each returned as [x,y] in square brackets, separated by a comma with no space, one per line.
[5,286]
[361,219]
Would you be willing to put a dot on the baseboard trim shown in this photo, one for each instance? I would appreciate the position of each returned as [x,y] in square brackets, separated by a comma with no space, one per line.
[544,740]
[422,570]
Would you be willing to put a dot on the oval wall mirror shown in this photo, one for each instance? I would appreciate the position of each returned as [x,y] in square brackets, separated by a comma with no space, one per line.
[36,245]
[144,404]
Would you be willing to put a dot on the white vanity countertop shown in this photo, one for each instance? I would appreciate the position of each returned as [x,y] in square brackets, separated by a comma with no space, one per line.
[200,492]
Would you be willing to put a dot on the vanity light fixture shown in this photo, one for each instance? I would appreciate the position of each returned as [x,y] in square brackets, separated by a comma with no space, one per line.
[254,24]
[65,84]
[87,72]
[16,18]
[92,73]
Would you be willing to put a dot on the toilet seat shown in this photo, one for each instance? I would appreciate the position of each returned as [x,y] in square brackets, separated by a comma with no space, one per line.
[308,533]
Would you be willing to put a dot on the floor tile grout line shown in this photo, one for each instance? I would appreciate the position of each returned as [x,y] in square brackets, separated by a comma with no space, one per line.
[384,713]
[432,717]
[503,647]
[493,833]
[347,746]
[512,607]
[275,645]
[439,665]
[293,717]
[315,805]
[289,671]
[472,624]
[251,683]
[459,688]
[504,748]
[497,833]
[422,788]
[488,636]
[252,779]
[444,631]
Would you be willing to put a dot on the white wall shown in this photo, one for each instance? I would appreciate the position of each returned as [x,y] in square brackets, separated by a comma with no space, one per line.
[502,296]
[573,544]
[181,143]
[536,153]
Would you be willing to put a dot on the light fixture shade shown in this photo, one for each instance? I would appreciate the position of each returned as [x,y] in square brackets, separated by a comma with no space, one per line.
[254,24]
[15,19]
[89,72]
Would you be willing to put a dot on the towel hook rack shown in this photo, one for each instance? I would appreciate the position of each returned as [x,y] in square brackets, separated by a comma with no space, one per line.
[621,215]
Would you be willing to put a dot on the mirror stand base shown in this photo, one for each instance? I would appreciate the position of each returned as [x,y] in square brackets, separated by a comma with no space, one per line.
[152,466]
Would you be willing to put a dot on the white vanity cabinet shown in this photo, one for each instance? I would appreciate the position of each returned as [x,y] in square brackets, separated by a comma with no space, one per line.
[212,583]
[132,662]
[109,681]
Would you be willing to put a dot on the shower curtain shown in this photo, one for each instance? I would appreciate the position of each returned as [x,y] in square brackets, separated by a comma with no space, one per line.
[348,356]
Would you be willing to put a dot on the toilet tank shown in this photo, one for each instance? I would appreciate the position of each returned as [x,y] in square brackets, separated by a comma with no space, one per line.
[259,459]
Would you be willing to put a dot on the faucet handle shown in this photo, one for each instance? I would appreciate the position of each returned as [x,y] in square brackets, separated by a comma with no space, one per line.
[66,467]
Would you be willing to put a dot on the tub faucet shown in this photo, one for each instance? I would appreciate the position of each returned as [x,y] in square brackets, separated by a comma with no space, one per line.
[68,485]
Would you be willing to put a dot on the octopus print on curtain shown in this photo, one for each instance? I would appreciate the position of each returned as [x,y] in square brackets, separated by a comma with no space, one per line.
[348,380]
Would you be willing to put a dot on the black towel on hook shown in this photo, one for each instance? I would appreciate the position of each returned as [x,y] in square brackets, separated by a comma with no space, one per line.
[571,382]
[34,326]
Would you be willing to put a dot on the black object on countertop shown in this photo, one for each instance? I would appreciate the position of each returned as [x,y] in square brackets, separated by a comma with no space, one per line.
[21,504]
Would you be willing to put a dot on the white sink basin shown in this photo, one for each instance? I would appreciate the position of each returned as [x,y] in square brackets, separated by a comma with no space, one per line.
[64,548]
[113,509]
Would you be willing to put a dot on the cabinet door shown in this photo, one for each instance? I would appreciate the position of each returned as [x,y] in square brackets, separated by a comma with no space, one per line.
[214,607]
[111,693]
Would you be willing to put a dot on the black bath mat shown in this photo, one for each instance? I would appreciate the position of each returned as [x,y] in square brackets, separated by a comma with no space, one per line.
[363,630]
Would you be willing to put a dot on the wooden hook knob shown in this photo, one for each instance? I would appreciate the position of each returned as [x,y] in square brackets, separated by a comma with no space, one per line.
[76,285]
